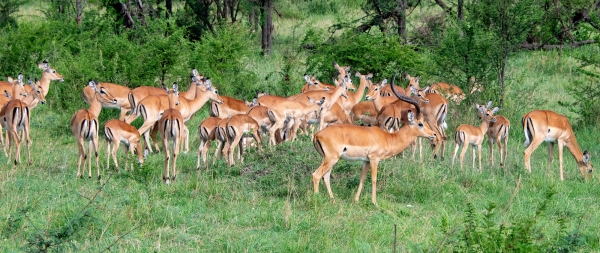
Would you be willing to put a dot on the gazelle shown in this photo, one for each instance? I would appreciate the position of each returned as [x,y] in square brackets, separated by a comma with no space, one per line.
[239,127]
[48,75]
[374,145]
[467,134]
[171,126]
[116,132]
[84,126]
[498,133]
[551,127]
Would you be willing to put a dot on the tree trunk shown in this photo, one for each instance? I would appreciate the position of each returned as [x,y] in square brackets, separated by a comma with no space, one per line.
[401,19]
[253,18]
[460,10]
[140,13]
[169,7]
[266,25]
[79,4]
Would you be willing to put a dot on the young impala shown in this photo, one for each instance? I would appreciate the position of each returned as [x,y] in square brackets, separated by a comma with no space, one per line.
[84,126]
[367,144]
[498,133]
[467,134]
[551,127]
[116,132]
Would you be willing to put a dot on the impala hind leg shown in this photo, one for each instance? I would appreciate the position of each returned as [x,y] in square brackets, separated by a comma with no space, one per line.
[27,144]
[166,176]
[176,144]
[82,158]
[529,150]
[324,169]
[95,146]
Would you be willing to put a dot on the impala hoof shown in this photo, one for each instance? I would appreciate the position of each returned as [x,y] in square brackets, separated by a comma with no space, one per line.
[99,177]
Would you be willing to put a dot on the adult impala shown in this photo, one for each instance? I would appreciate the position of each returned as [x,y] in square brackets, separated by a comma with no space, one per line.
[341,142]
[48,75]
[171,126]
[467,134]
[119,92]
[435,109]
[281,111]
[239,127]
[84,126]
[14,116]
[551,127]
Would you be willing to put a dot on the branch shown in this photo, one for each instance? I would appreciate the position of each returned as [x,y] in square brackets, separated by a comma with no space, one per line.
[444,6]
[535,46]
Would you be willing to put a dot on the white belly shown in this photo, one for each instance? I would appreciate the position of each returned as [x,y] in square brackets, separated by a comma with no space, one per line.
[354,158]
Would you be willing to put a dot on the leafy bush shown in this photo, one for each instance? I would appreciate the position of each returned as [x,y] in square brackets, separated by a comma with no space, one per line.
[377,53]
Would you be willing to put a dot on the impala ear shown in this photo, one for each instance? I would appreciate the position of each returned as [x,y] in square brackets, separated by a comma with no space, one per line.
[30,82]
[489,104]
[20,79]
[384,82]
[307,78]
[254,102]
[195,72]
[407,77]
[586,157]
[7,94]
[369,76]
[417,79]
[208,82]
[426,89]
[495,110]
[347,69]
[175,87]
[413,90]
[357,74]
[335,65]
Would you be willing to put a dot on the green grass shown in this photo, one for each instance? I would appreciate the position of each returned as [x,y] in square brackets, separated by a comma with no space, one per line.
[267,203]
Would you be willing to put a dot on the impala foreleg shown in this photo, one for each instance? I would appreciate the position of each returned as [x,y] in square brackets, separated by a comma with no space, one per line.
[363,177]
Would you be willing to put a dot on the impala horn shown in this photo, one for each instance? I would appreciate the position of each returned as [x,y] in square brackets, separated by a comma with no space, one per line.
[409,100]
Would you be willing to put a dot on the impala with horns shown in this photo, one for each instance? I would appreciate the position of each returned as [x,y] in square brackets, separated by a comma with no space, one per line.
[435,109]
[498,133]
[551,127]
[48,75]
[341,142]
[171,126]
[467,134]
[84,126]
[116,132]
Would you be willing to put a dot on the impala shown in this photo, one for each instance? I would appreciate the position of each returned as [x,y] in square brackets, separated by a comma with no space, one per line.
[467,134]
[84,126]
[171,126]
[281,111]
[448,91]
[435,109]
[228,107]
[221,138]
[313,84]
[498,133]
[374,145]
[116,132]
[14,116]
[549,126]
[330,99]
[386,91]
[48,75]
[207,132]
[266,99]
[119,92]
[239,127]
[354,98]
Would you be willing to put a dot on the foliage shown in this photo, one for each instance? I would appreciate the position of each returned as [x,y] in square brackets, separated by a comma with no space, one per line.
[363,52]
[222,57]
[8,8]
[485,234]
[586,93]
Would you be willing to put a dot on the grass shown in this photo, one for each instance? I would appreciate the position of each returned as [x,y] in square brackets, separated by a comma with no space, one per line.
[267,204]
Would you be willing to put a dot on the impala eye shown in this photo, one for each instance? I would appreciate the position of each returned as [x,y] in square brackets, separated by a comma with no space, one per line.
[54,71]
[216,92]
[102,91]
[420,124]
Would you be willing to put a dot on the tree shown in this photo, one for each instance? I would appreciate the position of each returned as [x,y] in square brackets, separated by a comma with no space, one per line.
[266,11]
[7,10]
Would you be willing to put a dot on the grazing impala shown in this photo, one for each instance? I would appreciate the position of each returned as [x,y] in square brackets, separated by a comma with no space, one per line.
[498,133]
[374,145]
[171,126]
[467,134]
[84,126]
[239,127]
[49,75]
[117,131]
[549,126]
[281,111]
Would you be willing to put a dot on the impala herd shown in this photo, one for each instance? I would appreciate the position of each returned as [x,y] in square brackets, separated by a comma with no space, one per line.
[387,123]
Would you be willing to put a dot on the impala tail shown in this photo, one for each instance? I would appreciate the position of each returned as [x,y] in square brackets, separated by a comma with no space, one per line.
[528,129]
[318,146]
[214,110]
[132,102]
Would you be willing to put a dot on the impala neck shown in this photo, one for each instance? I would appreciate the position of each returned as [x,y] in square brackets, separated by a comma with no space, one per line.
[45,82]
[358,95]
[95,106]
[485,125]
[30,99]
[378,103]
[337,94]
[575,150]
[401,139]
[199,101]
